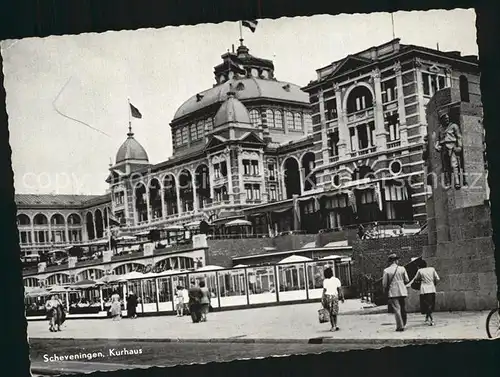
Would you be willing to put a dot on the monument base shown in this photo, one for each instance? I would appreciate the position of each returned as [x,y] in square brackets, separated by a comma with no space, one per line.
[465,264]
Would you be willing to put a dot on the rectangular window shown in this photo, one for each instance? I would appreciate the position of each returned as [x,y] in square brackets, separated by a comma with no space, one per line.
[331,109]
[255,168]
[194,133]
[248,192]
[178,137]
[256,192]
[216,171]
[246,167]
[426,83]
[389,91]
[200,130]
[392,125]
[352,137]
[185,136]
[363,140]
[223,168]
[333,139]
[271,169]
[272,193]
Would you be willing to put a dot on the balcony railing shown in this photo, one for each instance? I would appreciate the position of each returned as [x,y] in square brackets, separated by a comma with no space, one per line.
[363,152]
[394,144]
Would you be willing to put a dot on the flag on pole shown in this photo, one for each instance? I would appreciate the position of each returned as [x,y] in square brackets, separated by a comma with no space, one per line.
[135,111]
[251,24]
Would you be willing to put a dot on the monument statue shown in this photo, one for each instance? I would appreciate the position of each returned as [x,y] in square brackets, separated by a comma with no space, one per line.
[449,144]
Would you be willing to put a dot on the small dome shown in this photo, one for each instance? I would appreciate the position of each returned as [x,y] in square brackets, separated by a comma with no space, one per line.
[231,111]
[131,150]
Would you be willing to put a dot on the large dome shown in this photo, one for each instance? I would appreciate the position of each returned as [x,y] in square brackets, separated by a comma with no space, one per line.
[131,150]
[246,88]
[232,111]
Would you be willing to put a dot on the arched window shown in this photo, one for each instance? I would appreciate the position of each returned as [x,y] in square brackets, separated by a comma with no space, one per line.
[464,89]
[289,120]
[359,99]
[298,121]
[255,117]
[278,119]
[23,219]
[270,118]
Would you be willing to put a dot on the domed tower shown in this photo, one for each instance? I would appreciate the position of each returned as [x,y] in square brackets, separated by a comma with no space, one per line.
[131,155]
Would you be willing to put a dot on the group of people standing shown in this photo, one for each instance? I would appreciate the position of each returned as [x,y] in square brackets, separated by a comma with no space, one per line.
[195,301]
[116,306]
[396,282]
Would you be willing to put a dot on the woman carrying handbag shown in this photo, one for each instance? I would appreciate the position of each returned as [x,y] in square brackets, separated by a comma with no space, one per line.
[332,290]
[425,281]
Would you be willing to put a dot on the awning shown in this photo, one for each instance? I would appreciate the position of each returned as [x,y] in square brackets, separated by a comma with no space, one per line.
[295,259]
[131,276]
[239,223]
[208,268]
[309,245]
[108,279]
[193,225]
[174,228]
[145,233]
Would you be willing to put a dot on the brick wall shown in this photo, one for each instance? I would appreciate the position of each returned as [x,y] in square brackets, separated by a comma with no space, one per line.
[221,252]
[370,256]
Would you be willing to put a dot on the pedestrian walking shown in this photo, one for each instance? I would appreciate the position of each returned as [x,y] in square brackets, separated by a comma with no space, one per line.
[195,302]
[185,295]
[205,301]
[179,301]
[55,313]
[132,305]
[332,291]
[427,278]
[395,279]
[116,307]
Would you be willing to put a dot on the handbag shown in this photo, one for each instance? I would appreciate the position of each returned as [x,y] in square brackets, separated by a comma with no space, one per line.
[323,315]
[416,284]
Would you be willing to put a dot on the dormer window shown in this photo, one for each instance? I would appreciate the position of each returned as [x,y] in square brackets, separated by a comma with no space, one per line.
[231,75]
[222,79]
[265,74]
[286,87]
[240,86]
[255,72]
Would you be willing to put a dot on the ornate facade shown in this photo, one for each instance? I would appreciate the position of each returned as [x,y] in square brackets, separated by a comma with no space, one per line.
[346,149]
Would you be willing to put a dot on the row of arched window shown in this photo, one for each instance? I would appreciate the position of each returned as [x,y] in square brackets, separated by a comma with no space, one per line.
[41,219]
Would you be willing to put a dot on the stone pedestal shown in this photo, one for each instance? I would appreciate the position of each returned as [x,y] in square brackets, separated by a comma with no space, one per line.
[149,249]
[200,241]
[106,256]
[42,266]
[459,220]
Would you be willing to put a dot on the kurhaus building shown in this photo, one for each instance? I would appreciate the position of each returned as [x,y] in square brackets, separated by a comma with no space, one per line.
[346,149]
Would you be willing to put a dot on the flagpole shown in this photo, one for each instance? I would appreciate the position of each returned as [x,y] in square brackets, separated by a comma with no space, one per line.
[129,117]
[241,33]
[392,21]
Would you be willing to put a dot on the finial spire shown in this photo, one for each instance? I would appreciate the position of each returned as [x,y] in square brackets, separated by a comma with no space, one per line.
[130,133]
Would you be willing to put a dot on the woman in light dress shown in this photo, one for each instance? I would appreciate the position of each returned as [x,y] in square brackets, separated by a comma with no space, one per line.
[428,278]
[116,307]
[332,291]
[179,300]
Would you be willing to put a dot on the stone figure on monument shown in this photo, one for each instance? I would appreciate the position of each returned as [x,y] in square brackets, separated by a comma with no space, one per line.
[449,144]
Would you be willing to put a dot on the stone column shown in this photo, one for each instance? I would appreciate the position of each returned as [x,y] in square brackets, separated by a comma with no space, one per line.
[178,197]
[420,93]
[324,134]
[401,105]
[342,124]
[282,191]
[302,177]
[163,205]
[380,137]
[263,190]
[240,177]
[148,205]
[229,176]
[195,193]
[66,231]
[211,179]
[32,232]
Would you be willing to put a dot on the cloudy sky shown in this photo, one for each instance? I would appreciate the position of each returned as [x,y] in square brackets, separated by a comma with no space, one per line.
[92,75]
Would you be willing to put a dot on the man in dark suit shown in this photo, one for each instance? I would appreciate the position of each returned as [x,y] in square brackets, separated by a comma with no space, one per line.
[132,305]
[195,295]
[394,280]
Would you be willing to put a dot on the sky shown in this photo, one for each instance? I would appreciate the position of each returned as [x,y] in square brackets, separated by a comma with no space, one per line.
[89,77]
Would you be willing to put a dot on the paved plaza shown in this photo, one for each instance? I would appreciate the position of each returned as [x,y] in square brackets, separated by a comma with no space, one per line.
[278,323]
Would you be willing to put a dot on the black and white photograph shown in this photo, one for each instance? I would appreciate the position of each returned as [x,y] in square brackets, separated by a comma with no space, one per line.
[251,188]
